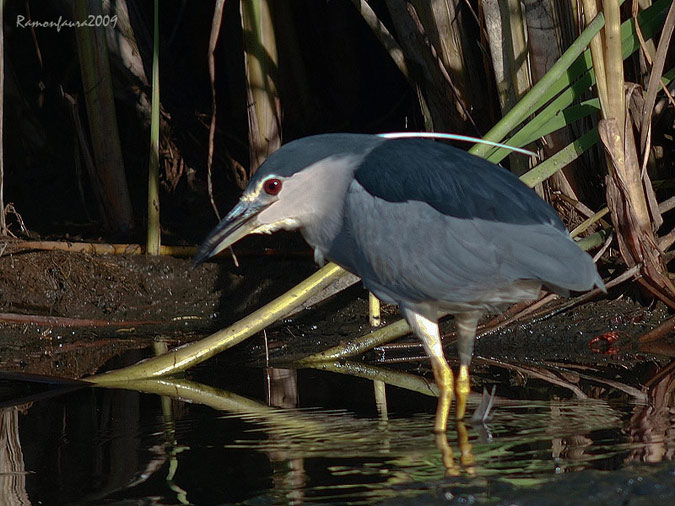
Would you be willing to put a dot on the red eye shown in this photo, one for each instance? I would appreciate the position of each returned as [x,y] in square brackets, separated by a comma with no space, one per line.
[272,186]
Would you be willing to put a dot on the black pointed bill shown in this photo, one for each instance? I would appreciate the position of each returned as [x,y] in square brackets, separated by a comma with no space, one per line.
[239,222]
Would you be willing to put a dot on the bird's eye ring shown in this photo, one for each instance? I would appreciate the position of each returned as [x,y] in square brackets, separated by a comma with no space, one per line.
[272,186]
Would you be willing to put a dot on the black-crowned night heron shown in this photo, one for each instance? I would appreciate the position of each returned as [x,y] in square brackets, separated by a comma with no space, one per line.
[426,226]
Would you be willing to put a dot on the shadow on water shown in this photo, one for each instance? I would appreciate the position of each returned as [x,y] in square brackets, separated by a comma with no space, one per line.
[263,436]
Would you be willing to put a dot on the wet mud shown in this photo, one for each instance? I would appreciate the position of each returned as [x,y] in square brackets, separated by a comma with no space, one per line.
[66,314]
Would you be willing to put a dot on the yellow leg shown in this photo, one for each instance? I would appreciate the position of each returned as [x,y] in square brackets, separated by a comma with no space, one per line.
[462,390]
[444,382]
[374,315]
[466,334]
[427,331]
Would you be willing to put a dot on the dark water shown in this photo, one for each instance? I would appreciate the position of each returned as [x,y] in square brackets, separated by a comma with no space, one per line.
[213,438]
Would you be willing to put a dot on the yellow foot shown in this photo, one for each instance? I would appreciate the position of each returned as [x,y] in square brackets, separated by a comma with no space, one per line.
[467,461]
[447,456]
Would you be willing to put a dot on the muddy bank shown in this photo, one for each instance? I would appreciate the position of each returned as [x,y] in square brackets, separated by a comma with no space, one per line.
[67,314]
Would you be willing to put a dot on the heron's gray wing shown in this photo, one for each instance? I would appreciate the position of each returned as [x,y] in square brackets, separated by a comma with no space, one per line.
[452,181]
[408,251]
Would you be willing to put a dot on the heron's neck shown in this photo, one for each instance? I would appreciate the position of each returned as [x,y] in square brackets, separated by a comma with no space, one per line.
[321,233]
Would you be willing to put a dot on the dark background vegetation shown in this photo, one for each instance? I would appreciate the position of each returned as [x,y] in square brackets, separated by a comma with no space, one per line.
[353,86]
[332,73]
